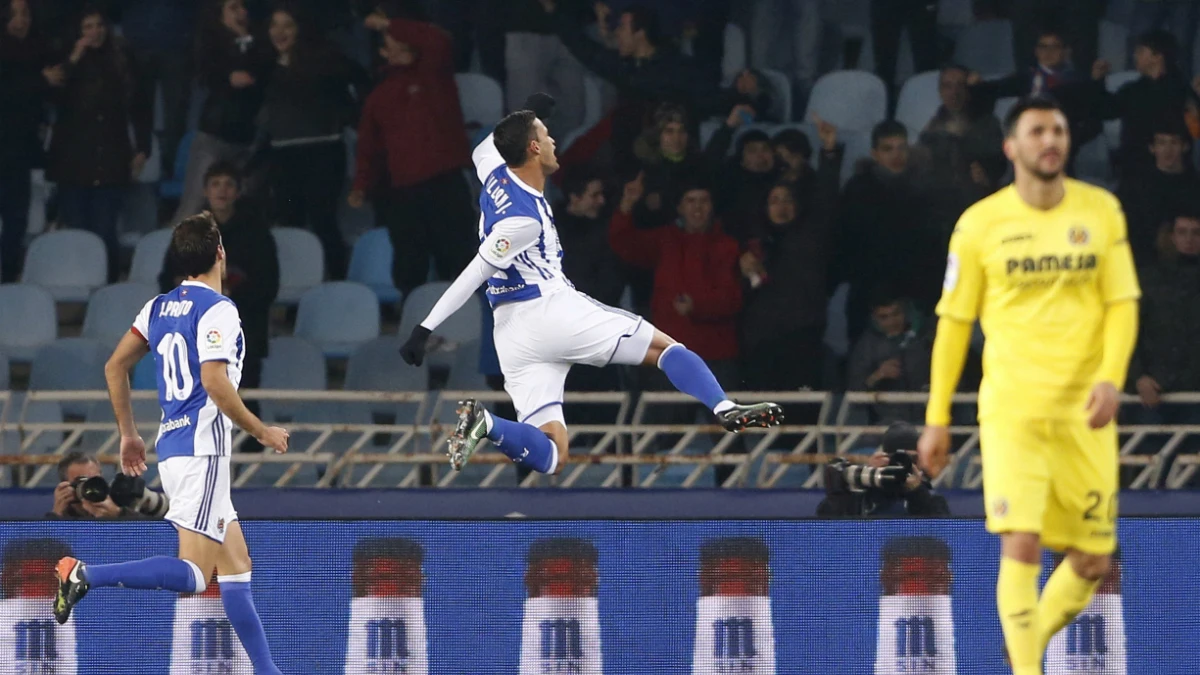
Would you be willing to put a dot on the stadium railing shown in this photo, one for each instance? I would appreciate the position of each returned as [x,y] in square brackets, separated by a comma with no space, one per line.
[632,449]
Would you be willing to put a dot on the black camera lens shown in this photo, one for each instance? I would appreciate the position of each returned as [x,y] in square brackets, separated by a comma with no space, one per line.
[94,489]
[127,490]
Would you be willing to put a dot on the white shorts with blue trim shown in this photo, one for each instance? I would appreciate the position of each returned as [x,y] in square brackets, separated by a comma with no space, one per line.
[539,340]
[198,490]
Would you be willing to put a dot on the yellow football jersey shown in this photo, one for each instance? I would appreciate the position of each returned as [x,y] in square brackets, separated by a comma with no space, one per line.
[1039,282]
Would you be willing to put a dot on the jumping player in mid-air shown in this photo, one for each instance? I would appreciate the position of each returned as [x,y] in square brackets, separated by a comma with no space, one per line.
[543,325]
[196,336]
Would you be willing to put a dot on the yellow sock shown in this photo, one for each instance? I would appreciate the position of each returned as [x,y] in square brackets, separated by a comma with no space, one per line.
[1017,601]
[1066,595]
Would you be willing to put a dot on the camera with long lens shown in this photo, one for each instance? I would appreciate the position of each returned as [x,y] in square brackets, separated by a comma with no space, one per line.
[126,492]
[93,489]
[130,492]
[861,490]
[889,480]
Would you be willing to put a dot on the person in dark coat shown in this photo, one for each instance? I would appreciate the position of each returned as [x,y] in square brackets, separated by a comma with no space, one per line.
[252,268]
[412,148]
[1152,196]
[25,81]
[307,104]
[786,272]
[91,158]
[232,65]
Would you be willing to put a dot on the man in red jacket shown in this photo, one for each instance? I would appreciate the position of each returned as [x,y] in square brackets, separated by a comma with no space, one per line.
[412,131]
[697,292]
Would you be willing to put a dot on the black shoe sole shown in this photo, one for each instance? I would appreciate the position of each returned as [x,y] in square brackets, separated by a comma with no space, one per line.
[761,419]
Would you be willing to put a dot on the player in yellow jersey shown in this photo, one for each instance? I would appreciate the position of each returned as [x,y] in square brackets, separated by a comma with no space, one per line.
[1045,266]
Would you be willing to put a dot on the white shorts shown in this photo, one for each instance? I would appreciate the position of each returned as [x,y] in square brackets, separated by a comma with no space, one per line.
[539,340]
[198,490]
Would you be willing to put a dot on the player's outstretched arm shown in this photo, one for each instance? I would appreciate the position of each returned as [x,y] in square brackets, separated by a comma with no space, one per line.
[216,382]
[949,355]
[474,276]
[129,351]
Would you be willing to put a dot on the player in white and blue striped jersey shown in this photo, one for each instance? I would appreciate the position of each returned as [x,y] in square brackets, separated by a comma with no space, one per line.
[543,325]
[196,337]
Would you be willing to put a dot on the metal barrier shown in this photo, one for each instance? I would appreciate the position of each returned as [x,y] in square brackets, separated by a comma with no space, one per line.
[634,449]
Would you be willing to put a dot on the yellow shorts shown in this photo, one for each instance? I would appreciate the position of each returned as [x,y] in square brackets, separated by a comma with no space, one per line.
[1057,478]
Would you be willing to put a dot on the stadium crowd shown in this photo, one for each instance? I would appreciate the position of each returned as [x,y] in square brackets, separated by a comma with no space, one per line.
[702,196]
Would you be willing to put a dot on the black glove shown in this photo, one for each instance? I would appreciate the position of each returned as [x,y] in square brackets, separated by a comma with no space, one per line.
[541,104]
[413,351]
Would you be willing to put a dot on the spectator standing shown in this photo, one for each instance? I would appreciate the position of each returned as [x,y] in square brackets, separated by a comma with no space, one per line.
[786,281]
[785,35]
[537,60]
[888,19]
[645,71]
[1178,16]
[1080,20]
[232,65]
[251,268]
[697,292]
[744,179]
[307,103]
[892,355]
[158,33]
[590,262]
[412,133]
[1161,92]
[25,80]
[90,157]
[1052,74]
[1151,197]
[887,237]
[972,131]
[1166,359]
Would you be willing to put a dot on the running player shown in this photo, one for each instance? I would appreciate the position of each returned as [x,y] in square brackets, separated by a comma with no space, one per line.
[196,336]
[1045,266]
[543,325]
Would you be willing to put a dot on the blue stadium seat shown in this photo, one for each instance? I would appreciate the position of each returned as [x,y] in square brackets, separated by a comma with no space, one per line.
[69,264]
[481,97]
[464,371]
[301,262]
[70,364]
[29,321]
[462,326]
[918,102]
[338,316]
[292,363]
[112,309]
[148,256]
[32,412]
[781,86]
[145,374]
[850,99]
[986,47]
[1003,105]
[371,264]
[3,376]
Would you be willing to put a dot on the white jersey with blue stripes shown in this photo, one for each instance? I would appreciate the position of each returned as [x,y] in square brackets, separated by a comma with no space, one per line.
[516,233]
[185,328]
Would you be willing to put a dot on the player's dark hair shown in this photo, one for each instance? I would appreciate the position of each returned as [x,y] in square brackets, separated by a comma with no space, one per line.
[223,168]
[887,129]
[194,245]
[642,18]
[71,459]
[577,179]
[512,136]
[1023,106]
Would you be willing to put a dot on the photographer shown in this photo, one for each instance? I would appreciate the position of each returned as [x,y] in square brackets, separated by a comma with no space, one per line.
[82,492]
[889,484]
